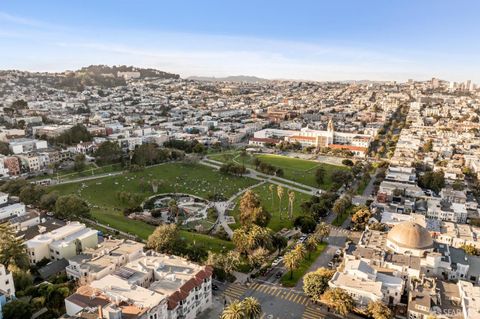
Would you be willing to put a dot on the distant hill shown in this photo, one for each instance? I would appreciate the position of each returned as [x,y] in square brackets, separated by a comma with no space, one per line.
[105,76]
[233,78]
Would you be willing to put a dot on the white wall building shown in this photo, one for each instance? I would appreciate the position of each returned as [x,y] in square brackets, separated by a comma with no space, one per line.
[64,242]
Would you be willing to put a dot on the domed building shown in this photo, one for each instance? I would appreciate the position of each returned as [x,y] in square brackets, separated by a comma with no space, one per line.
[410,238]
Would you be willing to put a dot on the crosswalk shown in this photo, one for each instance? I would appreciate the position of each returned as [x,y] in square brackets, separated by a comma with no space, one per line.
[235,291]
[312,313]
[278,292]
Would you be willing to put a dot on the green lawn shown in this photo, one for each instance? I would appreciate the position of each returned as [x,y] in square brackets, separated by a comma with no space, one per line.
[265,196]
[89,170]
[302,269]
[300,170]
[192,179]
[295,169]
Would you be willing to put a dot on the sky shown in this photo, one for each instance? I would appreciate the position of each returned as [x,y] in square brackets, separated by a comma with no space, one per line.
[296,39]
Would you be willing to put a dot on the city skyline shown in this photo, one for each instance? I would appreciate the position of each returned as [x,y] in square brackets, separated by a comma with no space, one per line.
[303,41]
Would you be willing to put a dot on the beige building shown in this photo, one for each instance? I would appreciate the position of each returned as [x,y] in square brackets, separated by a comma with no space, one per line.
[64,242]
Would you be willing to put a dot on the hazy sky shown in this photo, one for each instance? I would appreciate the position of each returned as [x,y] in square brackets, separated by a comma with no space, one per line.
[296,39]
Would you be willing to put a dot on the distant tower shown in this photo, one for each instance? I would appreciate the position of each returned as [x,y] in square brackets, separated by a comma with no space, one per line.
[330,126]
[330,133]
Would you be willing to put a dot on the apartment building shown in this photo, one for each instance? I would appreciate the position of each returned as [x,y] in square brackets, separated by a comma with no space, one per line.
[365,284]
[153,286]
[64,242]
[96,263]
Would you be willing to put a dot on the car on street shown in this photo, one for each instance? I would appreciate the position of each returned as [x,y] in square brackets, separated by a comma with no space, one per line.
[278,275]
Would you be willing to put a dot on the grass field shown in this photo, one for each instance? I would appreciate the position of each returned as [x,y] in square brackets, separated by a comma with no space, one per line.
[302,269]
[265,196]
[89,170]
[295,169]
[192,179]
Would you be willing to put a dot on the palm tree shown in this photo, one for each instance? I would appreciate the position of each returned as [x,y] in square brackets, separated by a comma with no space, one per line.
[252,308]
[271,188]
[233,311]
[322,231]
[299,249]
[173,207]
[280,193]
[311,244]
[291,200]
[292,261]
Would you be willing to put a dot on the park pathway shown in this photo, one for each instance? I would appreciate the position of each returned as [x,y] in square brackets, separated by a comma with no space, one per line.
[222,207]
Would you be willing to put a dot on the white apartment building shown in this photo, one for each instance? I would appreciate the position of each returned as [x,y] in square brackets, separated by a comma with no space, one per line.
[25,145]
[149,287]
[64,242]
[12,210]
[447,211]
[94,264]
[470,299]
[6,282]
[364,284]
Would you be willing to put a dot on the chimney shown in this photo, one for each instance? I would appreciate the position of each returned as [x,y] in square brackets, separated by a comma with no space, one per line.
[100,312]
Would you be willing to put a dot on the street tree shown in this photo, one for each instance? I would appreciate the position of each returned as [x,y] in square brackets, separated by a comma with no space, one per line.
[315,283]
[292,261]
[339,300]
[69,206]
[164,238]
[378,310]
[252,308]
[234,310]
[12,250]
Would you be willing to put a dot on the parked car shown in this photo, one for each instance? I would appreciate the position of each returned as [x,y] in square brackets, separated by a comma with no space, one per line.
[214,287]
[278,275]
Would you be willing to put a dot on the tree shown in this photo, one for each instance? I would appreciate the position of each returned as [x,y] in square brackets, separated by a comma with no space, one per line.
[339,300]
[163,238]
[291,201]
[22,279]
[306,223]
[271,188]
[432,180]
[322,231]
[361,217]
[234,310]
[292,261]
[252,308]
[225,262]
[47,201]
[248,203]
[17,309]
[31,194]
[257,257]
[279,242]
[341,177]
[12,250]
[315,283]
[428,146]
[248,238]
[320,175]
[378,310]
[68,206]
[470,249]
[341,205]
[108,153]
[347,162]
[4,149]
[280,193]
[311,245]
[79,164]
